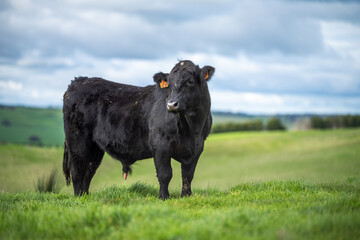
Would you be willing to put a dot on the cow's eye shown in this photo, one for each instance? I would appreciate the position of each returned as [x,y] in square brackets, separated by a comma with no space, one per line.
[191,82]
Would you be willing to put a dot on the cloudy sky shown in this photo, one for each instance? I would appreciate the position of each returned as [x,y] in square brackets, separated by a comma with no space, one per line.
[270,56]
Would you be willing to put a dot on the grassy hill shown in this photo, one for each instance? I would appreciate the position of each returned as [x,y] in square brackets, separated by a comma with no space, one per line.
[36,126]
[228,159]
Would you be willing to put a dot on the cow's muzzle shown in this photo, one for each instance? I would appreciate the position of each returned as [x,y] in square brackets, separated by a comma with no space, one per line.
[172,106]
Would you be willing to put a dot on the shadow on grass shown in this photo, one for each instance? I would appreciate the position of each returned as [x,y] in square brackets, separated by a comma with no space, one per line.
[139,191]
[143,189]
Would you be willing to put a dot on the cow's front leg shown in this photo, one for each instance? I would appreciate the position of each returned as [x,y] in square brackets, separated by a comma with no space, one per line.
[163,173]
[187,172]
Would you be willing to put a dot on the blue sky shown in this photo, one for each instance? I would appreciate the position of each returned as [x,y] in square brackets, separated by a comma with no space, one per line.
[270,56]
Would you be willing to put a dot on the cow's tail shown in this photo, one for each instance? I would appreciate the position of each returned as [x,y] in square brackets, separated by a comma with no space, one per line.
[66,165]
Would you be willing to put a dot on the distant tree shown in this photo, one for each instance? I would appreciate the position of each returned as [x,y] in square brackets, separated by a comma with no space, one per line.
[319,123]
[275,124]
[6,123]
[255,125]
[340,121]
[357,121]
[351,121]
[35,140]
[336,121]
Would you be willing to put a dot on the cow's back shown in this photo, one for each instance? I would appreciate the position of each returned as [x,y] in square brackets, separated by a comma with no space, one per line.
[112,115]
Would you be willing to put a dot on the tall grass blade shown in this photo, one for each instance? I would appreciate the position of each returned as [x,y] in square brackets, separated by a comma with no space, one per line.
[48,184]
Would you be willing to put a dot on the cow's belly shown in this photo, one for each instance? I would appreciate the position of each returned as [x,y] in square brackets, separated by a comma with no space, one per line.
[187,149]
[124,144]
[128,153]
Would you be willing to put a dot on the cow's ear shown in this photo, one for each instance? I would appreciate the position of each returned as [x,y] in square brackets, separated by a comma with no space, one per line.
[161,79]
[206,73]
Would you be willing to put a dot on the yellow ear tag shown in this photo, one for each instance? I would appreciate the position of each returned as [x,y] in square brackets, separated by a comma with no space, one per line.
[164,84]
[207,75]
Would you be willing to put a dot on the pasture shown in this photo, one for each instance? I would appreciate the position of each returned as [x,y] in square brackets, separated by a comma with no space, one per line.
[254,185]
[228,159]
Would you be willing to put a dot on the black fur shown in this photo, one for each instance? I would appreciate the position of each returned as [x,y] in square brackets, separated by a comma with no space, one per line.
[132,123]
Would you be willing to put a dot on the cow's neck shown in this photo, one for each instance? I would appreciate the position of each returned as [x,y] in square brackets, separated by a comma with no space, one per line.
[193,121]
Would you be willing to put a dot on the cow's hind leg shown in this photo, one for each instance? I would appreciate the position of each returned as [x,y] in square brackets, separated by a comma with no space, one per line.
[93,164]
[84,162]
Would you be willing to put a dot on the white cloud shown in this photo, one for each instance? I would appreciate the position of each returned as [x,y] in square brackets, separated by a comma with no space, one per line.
[241,83]
[10,86]
[35,59]
[260,103]
[34,94]
[343,38]
[135,29]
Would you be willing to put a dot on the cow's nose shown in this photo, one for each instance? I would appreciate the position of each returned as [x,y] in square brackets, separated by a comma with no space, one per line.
[172,106]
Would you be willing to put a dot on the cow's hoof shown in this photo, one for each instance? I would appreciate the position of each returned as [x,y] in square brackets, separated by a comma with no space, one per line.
[163,196]
[186,194]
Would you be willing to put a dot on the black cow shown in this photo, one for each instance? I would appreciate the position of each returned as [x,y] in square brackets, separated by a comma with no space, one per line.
[170,119]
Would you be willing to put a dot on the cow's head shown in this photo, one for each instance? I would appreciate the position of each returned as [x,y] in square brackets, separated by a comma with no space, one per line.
[186,86]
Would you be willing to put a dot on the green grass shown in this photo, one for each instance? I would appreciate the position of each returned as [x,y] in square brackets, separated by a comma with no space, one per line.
[21,166]
[260,185]
[269,210]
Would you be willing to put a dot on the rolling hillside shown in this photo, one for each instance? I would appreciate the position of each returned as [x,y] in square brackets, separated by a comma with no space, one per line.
[228,159]
[35,126]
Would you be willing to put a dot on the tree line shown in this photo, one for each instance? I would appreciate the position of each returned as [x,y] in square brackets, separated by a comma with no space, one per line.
[340,121]
[255,125]
[313,122]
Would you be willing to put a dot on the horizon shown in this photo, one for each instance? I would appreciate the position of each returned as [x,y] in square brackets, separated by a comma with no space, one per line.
[217,112]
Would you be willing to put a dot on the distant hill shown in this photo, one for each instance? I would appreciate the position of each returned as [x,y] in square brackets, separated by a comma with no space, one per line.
[44,126]
[35,126]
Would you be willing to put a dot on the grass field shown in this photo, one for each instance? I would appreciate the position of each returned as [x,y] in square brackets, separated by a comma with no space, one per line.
[270,210]
[255,185]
